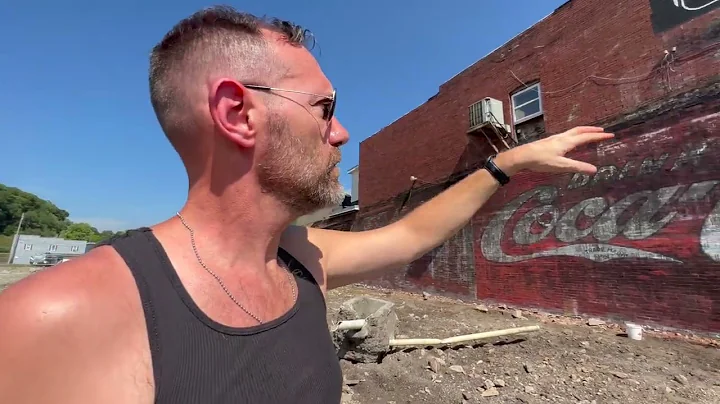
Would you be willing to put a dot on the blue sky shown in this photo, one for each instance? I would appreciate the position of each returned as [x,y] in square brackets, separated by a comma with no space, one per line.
[77,128]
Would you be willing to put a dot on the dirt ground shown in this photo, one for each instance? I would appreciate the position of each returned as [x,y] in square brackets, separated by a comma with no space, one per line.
[567,361]
[12,274]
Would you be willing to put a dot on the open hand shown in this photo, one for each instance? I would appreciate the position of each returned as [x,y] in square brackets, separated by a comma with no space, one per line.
[548,154]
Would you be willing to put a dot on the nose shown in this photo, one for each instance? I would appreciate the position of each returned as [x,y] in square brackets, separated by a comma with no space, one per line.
[338,134]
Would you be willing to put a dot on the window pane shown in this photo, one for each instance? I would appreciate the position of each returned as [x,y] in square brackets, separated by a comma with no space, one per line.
[526,95]
[527,110]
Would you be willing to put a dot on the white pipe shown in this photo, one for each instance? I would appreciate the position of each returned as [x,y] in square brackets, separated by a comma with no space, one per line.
[461,338]
[351,325]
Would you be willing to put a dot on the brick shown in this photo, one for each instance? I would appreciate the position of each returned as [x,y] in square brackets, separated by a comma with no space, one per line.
[647,263]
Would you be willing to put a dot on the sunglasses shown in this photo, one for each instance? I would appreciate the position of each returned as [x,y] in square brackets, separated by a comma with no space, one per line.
[328,103]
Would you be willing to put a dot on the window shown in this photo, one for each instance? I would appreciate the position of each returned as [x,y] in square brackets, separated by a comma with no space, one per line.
[52,248]
[74,248]
[527,103]
[28,247]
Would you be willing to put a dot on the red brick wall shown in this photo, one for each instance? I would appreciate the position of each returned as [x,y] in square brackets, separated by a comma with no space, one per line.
[581,39]
[343,222]
[639,240]
[642,257]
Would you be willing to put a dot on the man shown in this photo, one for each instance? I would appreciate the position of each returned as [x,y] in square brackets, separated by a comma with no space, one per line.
[224,302]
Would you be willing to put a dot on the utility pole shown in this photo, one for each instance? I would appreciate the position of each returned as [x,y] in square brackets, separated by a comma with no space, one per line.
[16,239]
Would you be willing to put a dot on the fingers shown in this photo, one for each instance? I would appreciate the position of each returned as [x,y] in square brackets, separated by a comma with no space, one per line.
[579,130]
[590,137]
[578,166]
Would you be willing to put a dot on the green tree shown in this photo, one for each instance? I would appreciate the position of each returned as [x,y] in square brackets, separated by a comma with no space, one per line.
[109,233]
[106,234]
[81,231]
[41,217]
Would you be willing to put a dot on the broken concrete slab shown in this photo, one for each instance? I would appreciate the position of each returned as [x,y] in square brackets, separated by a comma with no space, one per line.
[371,342]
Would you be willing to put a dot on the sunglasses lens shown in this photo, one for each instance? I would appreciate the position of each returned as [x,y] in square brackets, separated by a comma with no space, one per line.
[332,105]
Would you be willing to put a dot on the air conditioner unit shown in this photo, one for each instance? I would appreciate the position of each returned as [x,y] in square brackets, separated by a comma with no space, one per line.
[487,118]
[487,111]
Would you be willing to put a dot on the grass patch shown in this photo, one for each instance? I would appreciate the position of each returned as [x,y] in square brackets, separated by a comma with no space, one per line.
[5,244]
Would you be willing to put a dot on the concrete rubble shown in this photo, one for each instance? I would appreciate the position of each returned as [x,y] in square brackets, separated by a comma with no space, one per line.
[371,342]
[571,360]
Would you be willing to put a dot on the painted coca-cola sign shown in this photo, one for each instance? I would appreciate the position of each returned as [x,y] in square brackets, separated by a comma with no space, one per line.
[606,227]
[607,217]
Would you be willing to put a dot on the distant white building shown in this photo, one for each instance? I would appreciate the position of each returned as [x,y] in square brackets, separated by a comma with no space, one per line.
[355,174]
[26,247]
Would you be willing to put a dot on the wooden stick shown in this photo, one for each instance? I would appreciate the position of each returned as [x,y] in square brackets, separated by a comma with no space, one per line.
[461,338]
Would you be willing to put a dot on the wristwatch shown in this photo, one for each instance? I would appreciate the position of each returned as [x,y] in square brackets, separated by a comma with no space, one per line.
[495,171]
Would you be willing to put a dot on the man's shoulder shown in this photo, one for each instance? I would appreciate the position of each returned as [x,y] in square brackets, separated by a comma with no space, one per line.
[73,333]
[84,293]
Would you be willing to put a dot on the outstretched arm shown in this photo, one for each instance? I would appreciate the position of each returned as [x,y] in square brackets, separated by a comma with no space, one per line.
[349,257]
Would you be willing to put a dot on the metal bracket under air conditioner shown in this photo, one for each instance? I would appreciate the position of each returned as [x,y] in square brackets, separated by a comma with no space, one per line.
[494,131]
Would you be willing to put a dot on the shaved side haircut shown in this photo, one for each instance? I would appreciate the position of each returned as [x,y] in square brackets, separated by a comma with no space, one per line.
[214,41]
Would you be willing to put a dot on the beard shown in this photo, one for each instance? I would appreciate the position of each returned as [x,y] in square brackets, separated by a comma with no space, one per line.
[294,172]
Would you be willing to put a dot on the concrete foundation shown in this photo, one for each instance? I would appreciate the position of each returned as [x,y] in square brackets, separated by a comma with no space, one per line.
[372,341]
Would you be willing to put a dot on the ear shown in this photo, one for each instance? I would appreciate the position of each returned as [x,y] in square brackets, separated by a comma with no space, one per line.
[230,108]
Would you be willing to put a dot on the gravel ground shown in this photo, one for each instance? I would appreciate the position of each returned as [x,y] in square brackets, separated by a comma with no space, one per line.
[567,361]
[11,274]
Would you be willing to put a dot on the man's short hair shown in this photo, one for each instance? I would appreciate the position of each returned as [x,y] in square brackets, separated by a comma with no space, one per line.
[216,39]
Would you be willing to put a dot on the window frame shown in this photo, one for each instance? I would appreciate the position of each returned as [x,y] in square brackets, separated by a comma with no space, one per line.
[535,87]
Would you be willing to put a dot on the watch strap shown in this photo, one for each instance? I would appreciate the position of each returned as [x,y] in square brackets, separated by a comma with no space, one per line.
[495,171]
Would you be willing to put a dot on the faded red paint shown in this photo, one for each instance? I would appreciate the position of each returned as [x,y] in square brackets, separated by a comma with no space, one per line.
[571,53]
[683,294]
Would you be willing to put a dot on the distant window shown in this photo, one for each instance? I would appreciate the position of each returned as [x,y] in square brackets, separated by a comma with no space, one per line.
[52,248]
[74,248]
[28,247]
[527,103]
